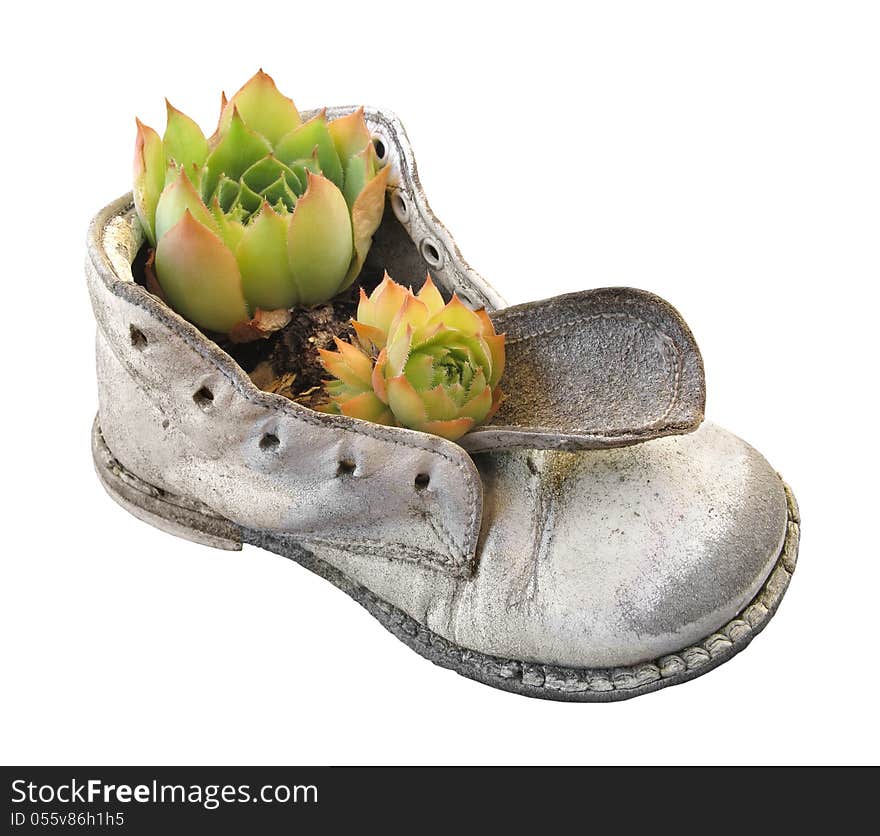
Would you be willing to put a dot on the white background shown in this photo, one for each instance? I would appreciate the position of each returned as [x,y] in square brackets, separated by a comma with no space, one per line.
[723,155]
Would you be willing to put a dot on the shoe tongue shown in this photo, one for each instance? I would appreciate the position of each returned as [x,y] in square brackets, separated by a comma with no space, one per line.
[600,368]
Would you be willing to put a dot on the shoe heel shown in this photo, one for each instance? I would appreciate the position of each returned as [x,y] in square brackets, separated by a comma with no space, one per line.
[168,512]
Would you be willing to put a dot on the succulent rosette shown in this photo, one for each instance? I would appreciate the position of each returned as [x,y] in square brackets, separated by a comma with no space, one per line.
[269,213]
[419,362]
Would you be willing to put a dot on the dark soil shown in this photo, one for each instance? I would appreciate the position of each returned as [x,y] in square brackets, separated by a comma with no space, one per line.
[287,362]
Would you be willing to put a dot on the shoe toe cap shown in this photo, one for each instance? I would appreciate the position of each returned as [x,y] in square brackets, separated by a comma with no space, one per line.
[615,557]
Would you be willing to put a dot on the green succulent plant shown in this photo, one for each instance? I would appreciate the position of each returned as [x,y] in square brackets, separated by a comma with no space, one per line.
[418,363]
[268,214]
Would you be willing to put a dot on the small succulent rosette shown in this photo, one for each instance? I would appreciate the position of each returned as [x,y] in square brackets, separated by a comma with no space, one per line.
[418,363]
[267,214]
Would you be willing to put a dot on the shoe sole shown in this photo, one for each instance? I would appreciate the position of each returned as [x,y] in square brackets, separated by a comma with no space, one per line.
[196,522]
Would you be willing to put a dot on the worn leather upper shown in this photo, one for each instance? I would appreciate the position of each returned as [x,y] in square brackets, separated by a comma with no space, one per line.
[602,558]
[182,415]
[606,556]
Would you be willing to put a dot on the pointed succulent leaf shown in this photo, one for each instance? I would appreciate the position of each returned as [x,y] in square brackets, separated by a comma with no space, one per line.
[431,296]
[319,241]
[149,177]
[350,134]
[231,230]
[265,172]
[477,382]
[382,305]
[479,405]
[178,197]
[263,107]
[378,377]
[296,182]
[359,170]
[413,314]
[223,121]
[420,371]
[238,149]
[302,168]
[445,338]
[172,169]
[495,342]
[302,141]
[248,199]
[367,407]
[439,405]
[199,276]
[226,193]
[366,215]
[458,316]
[356,360]
[488,326]
[353,369]
[458,394]
[398,351]
[262,260]
[451,430]
[405,402]
[184,142]
[370,337]
[280,195]
[336,366]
